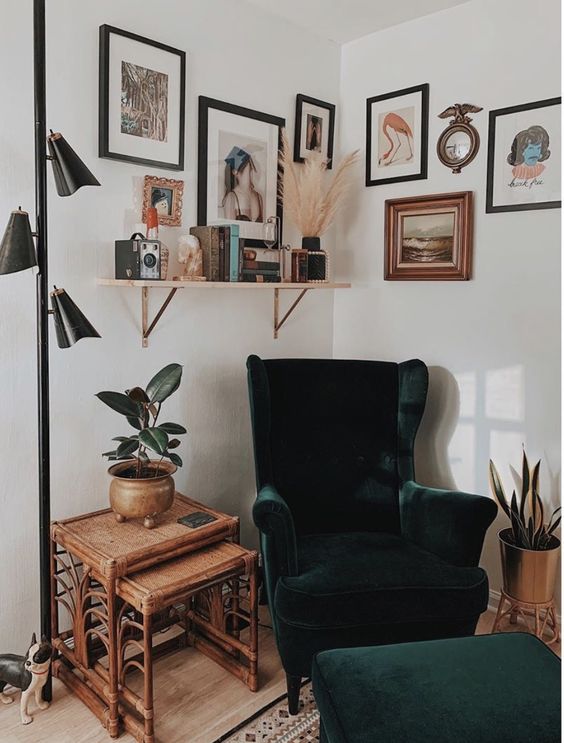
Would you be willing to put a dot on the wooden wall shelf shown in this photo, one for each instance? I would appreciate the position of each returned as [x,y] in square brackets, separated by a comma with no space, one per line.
[173,286]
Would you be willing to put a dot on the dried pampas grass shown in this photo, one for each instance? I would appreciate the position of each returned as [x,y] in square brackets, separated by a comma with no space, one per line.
[307,201]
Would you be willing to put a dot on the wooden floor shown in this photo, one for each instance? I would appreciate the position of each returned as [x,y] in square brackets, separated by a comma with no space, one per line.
[196,701]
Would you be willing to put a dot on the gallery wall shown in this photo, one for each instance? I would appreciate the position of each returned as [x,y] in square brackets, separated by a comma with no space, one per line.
[492,343]
[234,53]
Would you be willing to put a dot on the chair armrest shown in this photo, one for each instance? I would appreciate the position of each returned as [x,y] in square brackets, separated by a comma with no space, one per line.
[274,520]
[449,523]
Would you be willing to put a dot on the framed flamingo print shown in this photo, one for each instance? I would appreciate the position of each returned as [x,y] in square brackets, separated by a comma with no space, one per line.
[396,136]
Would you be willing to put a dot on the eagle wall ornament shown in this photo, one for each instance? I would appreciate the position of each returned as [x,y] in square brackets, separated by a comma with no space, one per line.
[459,143]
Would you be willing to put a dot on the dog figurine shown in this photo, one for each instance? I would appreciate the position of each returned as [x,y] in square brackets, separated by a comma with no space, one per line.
[27,672]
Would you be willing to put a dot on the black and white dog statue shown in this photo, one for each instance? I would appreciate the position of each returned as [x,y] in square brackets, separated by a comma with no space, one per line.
[27,672]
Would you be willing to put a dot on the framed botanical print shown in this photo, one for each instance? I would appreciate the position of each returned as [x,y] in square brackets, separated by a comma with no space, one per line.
[165,195]
[315,128]
[238,170]
[141,100]
[524,152]
[397,126]
[429,238]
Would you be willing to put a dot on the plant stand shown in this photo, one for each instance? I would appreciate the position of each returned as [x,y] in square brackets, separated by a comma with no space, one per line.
[538,618]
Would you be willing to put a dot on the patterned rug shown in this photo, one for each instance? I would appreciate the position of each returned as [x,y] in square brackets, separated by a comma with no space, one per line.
[273,724]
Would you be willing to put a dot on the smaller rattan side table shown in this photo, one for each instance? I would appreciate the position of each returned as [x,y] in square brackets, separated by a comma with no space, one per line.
[89,553]
[211,594]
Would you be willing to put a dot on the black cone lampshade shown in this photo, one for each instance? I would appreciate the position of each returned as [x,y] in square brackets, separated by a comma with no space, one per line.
[70,324]
[69,170]
[17,249]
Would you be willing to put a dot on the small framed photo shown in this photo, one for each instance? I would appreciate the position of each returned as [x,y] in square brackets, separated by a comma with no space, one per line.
[397,127]
[429,238]
[166,195]
[315,128]
[238,169]
[142,98]
[524,154]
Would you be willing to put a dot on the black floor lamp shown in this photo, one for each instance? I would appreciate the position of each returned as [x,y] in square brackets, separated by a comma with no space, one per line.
[17,253]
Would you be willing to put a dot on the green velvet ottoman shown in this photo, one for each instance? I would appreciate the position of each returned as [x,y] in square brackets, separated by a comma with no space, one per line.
[502,688]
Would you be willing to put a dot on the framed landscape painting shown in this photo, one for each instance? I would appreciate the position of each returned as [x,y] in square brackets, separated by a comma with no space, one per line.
[238,170]
[141,100]
[429,238]
[524,153]
[396,136]
[314,129]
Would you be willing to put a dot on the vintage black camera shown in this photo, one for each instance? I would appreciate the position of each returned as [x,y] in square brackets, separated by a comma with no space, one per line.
[138,258]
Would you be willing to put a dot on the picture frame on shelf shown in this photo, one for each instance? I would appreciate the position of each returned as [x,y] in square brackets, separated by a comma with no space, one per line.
[165,194]
[397,131]
[429,238]
[314,128]
[142,95]
[524,155]
[238,168]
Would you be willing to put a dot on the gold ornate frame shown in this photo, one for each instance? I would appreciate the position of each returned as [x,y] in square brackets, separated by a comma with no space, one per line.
[177,187]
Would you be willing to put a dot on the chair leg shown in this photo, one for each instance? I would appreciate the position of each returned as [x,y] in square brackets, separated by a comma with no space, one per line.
[294,684]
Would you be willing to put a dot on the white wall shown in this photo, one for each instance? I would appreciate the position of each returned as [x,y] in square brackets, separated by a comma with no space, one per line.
[493,343]
[235,53]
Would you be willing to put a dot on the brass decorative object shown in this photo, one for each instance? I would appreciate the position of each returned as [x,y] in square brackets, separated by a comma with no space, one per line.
[459,143]
[142,497]
[528,575]
[537,617]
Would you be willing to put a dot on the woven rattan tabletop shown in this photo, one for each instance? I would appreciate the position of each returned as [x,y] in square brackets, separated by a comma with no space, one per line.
[116,549]
[155,586]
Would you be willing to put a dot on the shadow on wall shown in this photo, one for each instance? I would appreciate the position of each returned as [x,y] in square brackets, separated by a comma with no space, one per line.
[438,426]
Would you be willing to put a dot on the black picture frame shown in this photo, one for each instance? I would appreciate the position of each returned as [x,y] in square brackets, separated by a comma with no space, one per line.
[422,173]
[301,98]
[103,105]
[493,116]
[204,105]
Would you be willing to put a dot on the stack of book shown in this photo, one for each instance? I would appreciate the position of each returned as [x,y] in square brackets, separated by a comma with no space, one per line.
[260,265]
[225,258]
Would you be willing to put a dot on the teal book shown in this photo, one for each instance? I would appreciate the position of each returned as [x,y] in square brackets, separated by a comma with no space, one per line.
[234,253]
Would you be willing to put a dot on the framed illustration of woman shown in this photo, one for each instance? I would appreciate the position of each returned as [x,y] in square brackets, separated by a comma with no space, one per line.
[524,152]
[238,171]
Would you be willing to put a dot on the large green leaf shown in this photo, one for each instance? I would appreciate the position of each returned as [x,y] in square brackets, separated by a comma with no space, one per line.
[154,439]
[135,422]
[127,447]
[173,428]
[175,459]
[164,383]
[526,475]
[120,403]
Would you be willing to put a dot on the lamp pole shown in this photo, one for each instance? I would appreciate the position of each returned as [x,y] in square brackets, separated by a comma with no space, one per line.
[42,288]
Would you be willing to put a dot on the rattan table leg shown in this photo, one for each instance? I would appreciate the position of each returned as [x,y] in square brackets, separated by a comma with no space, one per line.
[148,712]
[113,695]
[253,620]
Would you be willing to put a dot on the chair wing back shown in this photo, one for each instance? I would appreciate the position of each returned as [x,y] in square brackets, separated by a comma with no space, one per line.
[336,438]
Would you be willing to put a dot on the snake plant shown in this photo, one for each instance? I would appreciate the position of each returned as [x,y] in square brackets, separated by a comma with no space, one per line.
[526,513]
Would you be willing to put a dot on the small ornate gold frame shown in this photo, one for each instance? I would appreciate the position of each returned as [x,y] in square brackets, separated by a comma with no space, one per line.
[174,219]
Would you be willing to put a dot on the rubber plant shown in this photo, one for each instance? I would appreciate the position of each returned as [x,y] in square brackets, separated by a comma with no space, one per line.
[526,513]
[142,408]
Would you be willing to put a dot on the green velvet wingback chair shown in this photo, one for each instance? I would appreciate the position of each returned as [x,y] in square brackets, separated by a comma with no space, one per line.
[355,552]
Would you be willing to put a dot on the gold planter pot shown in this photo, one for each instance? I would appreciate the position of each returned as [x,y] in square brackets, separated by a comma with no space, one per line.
[143,497]
[528,575]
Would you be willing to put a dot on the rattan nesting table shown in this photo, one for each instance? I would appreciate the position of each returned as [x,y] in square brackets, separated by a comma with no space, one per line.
[121,583]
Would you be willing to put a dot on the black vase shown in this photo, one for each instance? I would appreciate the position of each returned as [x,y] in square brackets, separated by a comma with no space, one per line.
[316,259]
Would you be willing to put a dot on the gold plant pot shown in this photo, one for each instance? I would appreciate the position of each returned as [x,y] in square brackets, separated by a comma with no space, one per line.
[143,497]
[528,575]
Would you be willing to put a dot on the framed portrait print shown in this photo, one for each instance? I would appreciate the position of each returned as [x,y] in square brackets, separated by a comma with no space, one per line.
[429,238]
[165,194]
[238,170]
[141,100]
[315,128]
[396,136]
[524,151]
